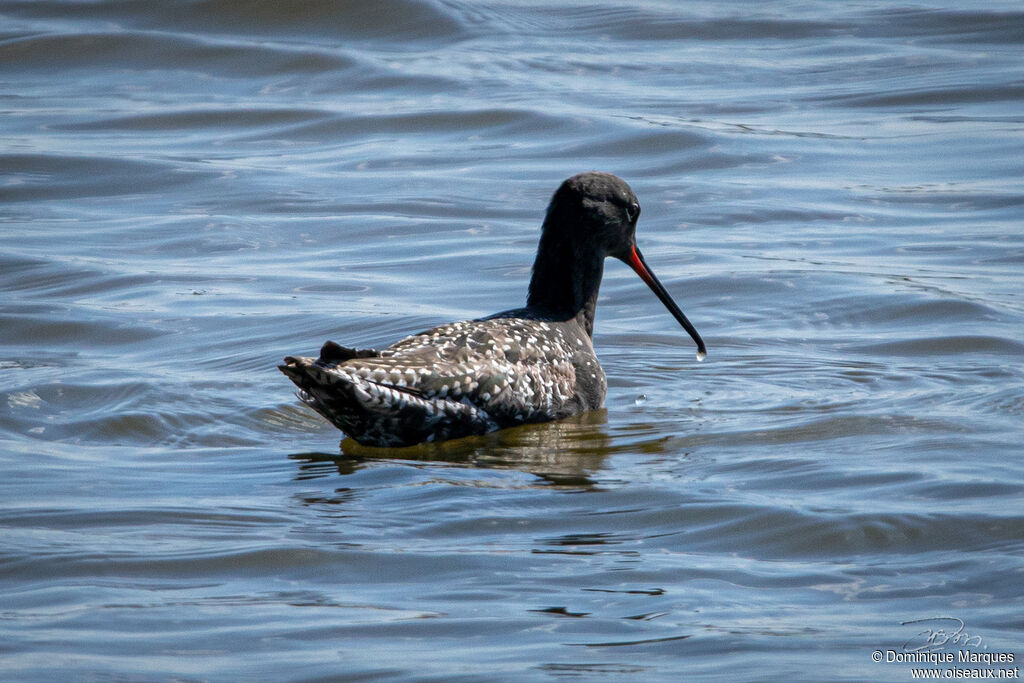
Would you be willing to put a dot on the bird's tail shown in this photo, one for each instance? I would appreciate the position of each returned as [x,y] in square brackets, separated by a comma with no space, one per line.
[328,393]
[378,414]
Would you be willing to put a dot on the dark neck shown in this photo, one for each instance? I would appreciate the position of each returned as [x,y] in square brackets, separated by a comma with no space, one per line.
[565,282]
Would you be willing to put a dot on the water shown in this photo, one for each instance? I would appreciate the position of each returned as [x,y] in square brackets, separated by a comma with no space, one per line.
[831,191]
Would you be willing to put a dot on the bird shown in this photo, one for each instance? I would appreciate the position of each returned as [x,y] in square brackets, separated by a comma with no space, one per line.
[530,364]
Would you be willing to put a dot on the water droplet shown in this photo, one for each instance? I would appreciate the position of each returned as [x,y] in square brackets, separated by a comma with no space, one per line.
[640,400]
[701,355]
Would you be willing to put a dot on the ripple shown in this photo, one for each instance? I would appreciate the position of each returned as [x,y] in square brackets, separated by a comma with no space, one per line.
[943,345]
[33,177]
[406,20]
[443,122]
[990,26]
[86,51]
[200,119]
[935,96]
[97,331]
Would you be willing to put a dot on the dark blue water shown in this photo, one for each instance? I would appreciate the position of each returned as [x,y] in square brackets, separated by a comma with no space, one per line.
[190,191]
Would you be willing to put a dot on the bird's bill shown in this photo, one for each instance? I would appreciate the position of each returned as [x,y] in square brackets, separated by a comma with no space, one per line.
[639,265]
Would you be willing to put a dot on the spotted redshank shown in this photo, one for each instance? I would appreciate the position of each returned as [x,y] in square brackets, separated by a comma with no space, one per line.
[529,364]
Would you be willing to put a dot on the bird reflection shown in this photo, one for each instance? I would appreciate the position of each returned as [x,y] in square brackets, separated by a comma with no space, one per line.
[562,453]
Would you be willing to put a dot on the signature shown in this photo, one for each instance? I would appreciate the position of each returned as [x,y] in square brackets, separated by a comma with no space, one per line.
[938,632]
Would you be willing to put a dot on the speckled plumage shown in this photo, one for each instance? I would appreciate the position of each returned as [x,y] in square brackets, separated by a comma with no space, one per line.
[531,364]
[459,379]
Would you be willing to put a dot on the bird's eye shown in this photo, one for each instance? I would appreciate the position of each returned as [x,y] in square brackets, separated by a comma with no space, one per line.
[633,211]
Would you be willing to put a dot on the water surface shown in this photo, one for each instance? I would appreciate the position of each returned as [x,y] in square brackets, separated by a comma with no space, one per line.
[831,191]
